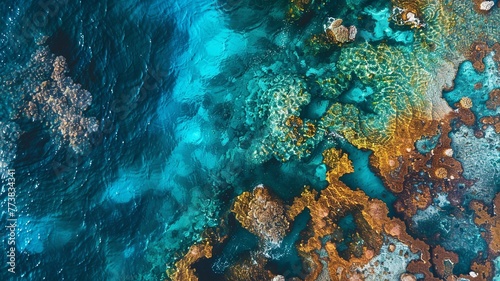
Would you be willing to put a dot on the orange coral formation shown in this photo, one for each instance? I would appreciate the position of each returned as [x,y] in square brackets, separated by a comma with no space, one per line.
[466,102]
[337,161]
[443,261]
[491,121]
[262,214]
[490,222]
[300,131]
[306,198]
[183,267]
[339,34]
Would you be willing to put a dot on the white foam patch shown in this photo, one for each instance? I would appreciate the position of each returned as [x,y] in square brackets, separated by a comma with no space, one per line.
[35,235]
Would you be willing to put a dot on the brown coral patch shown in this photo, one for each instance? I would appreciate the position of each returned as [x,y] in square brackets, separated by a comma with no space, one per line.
[493,121]
[409,201]
[370,216]
[339,34]
[262,214]
[481,272]
[494,100]
[477,52]
[249,269]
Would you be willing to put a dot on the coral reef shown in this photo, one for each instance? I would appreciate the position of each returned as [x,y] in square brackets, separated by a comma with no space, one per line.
[183,266]
[251,268]
[339,34]
[262,214]
[476,54]
[493,121]
[393,102]
[9,134]
[272,111]
[59,102]
[378,246]
[494,100]
[320,248]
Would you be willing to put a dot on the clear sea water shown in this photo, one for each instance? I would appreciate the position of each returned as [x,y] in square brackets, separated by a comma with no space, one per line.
[164,164]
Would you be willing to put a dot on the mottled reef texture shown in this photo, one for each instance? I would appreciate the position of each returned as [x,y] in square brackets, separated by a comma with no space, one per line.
[403,106]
